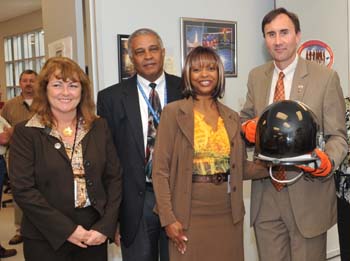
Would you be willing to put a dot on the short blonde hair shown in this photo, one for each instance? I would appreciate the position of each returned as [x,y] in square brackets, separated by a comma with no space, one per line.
[63,68]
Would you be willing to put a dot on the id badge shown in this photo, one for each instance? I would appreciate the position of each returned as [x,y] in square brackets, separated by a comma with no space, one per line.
[75,192]
[80,193]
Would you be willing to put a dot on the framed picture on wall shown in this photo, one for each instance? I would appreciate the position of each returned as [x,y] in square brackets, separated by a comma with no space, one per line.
[126,68]
[218,34]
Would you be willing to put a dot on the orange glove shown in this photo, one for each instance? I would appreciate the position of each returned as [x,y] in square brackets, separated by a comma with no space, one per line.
[325,167]
[249,129]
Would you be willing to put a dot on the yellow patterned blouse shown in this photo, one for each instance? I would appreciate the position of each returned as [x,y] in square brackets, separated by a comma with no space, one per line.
[211,148]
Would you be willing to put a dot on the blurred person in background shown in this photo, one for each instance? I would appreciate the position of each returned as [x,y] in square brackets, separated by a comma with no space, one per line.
[3,171]
[16,110]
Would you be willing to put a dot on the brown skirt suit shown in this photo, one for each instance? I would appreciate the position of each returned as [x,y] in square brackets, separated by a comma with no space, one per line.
[212,218]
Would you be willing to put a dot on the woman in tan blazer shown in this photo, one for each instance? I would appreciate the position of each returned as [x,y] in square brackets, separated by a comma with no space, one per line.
[199,167]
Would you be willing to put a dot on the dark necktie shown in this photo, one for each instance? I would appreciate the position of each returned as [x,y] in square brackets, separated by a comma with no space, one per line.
[279,95]
[152,128]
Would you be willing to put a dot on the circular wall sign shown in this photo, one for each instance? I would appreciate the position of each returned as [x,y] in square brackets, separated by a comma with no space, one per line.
[317,51]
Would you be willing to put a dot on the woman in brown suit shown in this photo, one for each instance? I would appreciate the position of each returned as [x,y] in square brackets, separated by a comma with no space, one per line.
[65,173]
[199,167]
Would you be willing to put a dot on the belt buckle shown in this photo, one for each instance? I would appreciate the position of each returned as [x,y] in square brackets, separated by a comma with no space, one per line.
[218,179]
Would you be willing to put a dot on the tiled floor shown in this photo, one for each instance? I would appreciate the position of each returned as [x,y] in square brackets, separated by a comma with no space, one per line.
[7,230]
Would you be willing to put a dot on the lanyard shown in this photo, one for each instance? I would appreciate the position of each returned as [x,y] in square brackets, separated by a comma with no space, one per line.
[155,116]
[75,139]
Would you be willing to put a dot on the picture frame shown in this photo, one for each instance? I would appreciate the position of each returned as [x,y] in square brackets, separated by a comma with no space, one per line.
[219,34]
[125,66]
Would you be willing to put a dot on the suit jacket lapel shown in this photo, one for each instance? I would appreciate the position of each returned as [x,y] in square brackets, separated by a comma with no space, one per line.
[132,109]
[230,123]
[300,81]
[171,89]
[86,138]
[185,119]
[266,83]
[57,144]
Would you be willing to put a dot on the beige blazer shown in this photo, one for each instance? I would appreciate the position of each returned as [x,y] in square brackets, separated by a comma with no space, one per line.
[173,162]
[313,203]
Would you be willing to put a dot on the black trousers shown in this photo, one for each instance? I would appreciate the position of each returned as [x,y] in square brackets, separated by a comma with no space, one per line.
[151,242]
[35,250]
[344,228]
[40,249]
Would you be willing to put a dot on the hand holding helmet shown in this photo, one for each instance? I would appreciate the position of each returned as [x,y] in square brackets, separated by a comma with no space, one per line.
[286,135]
[324,166]
[249,129]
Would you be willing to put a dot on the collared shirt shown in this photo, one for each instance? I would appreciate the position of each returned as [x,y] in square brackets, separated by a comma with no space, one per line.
[81,198]
[16,110]
[160,88]
[287,81]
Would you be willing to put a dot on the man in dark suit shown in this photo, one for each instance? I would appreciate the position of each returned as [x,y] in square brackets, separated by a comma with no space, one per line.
[291,222]
[127,108]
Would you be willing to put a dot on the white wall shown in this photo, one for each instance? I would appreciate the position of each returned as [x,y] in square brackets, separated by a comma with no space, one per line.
[326,21]
[123,17]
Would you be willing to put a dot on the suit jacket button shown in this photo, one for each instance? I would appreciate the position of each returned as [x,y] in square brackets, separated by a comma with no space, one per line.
[234,188]
[87,163]
[233,165]
[141,193]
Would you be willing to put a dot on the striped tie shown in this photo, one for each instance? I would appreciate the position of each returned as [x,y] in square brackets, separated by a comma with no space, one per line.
[152,129]
[279,95]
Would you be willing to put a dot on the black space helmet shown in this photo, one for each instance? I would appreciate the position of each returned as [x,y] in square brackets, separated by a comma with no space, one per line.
[286,134]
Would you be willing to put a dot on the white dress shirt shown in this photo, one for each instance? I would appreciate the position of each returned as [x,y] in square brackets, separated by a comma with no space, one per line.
[287,80]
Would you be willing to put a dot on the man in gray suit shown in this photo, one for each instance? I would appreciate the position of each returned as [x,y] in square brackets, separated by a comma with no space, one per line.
[291,224]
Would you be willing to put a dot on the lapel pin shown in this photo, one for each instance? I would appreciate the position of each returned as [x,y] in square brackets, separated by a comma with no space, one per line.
[57,146]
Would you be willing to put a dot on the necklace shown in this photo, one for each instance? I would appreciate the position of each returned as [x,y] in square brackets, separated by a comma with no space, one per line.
[67,132]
